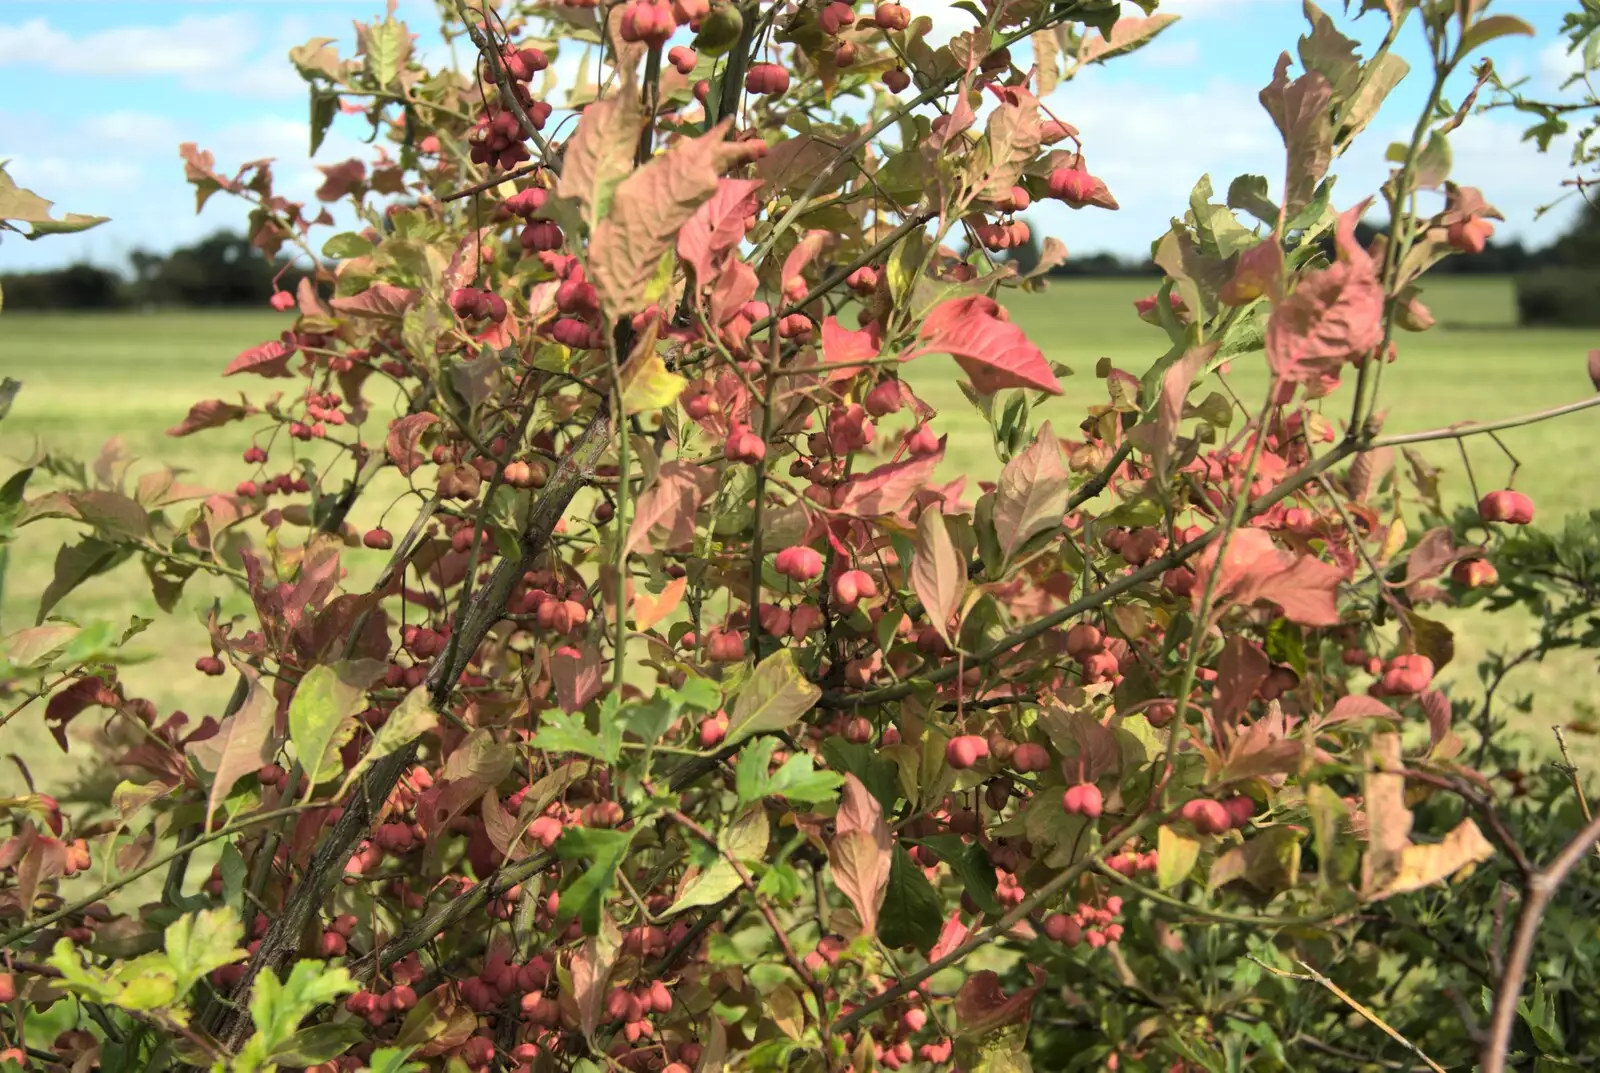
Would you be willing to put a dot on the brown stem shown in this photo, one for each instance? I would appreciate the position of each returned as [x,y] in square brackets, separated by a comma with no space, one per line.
[1478,428]
[1539,889]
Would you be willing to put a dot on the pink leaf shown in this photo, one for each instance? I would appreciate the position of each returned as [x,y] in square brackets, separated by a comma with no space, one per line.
[1256,569]
[401,444]
[339,179]
[1332,317]
[1300,110]
[860,854]
[576,675]
[995,353]
[672,503]
[735,286]
[938,572]
[269,359]
[1175,385]
[379,300]
[889,487]
[716,228]
[1358,706]
[211,413]
[983,1006]
[1032,494]
[802,255]
[240,745]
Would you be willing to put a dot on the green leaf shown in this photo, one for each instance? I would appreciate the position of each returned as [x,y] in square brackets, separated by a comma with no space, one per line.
[278,1006]
[346,245]
[1433,163]
[1251,193]
[797,781]
[1492,27]
[76,564]
[412,717]
[234,874]
[745,840]
[563,732]
[586,895]
[878,774]
[322,717]
[204,941]
[773,697]
[316,1044]
[324,107]
[392,1060]
[970,865]
[388,45]
[1432,639]
[1176,857]
[912,913]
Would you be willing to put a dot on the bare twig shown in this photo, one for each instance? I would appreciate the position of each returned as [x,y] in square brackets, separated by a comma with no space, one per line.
[1313,976]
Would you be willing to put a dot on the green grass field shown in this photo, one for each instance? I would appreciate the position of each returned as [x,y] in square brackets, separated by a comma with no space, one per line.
[88,378]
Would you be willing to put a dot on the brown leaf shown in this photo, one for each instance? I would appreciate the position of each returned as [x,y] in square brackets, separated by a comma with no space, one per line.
[1422,866]
[1333,316]
[591,971]
[1388,819]
[887,488]
[1300,110]
[983,1006]
[1032,494]
[211,413]
[1240,672]
[269,359]
[240,745]
[381,300]
[861,852]
[401,444]
[600,153]
[1126,35]
[649,209]
[938,572]
[1434,554]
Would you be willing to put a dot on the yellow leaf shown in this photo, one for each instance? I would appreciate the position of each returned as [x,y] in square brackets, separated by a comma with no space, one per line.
[786,1010]
[649,610]
[647,384]
[1176,855]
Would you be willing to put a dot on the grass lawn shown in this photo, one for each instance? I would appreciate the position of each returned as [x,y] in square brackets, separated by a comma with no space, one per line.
[87,378]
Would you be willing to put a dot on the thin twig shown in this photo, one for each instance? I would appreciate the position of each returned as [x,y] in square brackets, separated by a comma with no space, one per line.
[1313,976]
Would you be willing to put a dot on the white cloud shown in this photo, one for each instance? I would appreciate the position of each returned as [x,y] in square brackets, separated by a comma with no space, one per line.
[1168,54]
[1556,65]
[194,45]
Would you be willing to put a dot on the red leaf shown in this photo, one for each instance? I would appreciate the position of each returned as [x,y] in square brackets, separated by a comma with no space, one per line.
[889,487]
[1332,317]
[211,413]
[71,702]
[717,227]
[401,444]
[1357,706]
[1256,569]
[576,675]
[378,300]
[860,854]
[269,359]
[938,572]
[340,179]
[735,286]
[995,353]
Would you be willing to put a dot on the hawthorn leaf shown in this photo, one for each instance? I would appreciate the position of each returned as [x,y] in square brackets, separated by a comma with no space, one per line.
[411,718]
[269,359]
[995,353]
[600,154]
[1032,494]
[913,913]
[859,854]
[568,732]
[585,896]
[1255,568]
[716,228]
[938,572]
[202,941]
[889,487]
[241,744]
[1300,111]
[322,717]
[650,610]
[772,698]
[649,209]
[401,445]
[209,413]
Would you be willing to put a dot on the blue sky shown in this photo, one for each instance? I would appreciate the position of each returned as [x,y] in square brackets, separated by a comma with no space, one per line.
[99,93]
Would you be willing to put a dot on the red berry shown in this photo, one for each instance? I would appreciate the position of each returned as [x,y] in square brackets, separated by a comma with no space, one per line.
[8,988]
[964,751]
[1030,756]
[378,539]
[1474,573]
[1083,799]
[209,665]
[858,730]
[767,78]
[896,79]
[1208,817]
[798,563]
[1083,641]
[1405,675]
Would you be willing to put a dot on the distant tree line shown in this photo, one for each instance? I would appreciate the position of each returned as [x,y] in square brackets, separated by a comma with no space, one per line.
[220,271]
[1558,284]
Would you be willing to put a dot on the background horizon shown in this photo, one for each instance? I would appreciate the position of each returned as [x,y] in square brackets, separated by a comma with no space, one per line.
[216,72]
